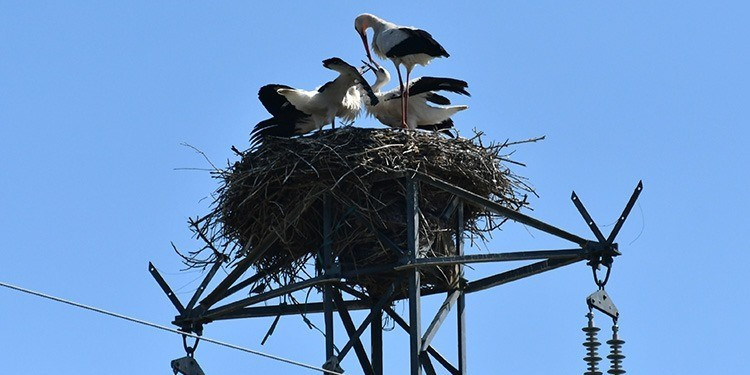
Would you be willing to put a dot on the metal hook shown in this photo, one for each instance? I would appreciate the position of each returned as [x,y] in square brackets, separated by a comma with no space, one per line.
[601,283]
[188,349]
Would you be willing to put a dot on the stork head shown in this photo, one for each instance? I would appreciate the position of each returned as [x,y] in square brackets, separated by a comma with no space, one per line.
[382,76]
[339,65]
[361,24]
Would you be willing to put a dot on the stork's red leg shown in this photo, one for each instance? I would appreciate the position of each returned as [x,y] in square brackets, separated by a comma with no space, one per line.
[406,98]
[403,100]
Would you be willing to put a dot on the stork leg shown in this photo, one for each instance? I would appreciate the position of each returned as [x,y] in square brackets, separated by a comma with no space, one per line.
[403,101]
[406,98]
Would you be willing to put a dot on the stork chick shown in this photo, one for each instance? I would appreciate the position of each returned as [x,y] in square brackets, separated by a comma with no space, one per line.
[421,115]
[297,111]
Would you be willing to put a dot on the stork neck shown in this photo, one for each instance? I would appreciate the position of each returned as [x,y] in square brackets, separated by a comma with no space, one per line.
[340,85]
[380,81]
[378,24]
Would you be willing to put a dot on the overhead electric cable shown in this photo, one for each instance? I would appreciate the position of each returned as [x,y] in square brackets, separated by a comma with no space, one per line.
[164,328]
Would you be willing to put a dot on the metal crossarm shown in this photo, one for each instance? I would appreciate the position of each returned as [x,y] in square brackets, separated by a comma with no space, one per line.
[165,287]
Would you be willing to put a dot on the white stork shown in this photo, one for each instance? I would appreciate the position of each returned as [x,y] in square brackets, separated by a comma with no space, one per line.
[402,45]
[298,111]
[423,90]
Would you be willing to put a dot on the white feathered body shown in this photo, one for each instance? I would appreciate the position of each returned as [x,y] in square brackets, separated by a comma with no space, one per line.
[420,112]
[388,111]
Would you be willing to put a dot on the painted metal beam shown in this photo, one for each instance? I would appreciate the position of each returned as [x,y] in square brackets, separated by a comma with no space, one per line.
[359,349]
[415,286]
[204,283]
[217,312]
[290,309]
[461,301]
[431,350]
[242,266]
[496,257]
[376,340]
[625,213]
[385,299]
[489,205]
[440,316]
[165,287]
[327,258]
[518,273]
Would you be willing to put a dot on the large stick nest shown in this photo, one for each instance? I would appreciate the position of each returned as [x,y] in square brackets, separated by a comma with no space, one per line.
[276,191]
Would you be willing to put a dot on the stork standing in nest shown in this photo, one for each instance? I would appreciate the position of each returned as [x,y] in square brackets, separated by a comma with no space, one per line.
[297,111]
[423,90]
[402,45]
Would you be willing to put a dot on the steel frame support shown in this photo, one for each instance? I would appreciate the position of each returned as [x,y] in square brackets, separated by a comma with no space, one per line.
[359,349]
[327,260]
[415,287]
[332,275]
[461,300]
[376,340]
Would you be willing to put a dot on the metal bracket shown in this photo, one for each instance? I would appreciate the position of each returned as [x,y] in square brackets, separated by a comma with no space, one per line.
[332,364]
[601,301]
[187,366]
[606,246]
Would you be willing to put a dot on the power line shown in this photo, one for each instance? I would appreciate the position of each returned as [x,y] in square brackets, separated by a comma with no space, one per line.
[164,328]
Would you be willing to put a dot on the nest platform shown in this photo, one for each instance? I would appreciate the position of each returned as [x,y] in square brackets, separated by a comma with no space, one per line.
[277,192]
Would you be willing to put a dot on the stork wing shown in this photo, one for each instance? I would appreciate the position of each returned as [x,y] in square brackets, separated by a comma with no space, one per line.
[416,41]
[282,126]
[276,104]
[427,84]
[443,127]
[437,98]
[345,68]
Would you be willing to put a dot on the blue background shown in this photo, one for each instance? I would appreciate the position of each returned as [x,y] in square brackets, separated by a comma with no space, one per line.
[95,99]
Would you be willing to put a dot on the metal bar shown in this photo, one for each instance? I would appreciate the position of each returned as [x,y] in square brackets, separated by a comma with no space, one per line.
[388,242]
[376,340]
[461,302]
[432,351]
[450,208]
[382,238]
[378,306]
[498,257]
[327,289]
[275,310]
[440,316]
[461,335]
[582,210]
[625,212]
[384,268]
[214,313]
[518,273]
[252,279]
[238,270]
[412,241]
[354,292]
[203,285]
[427,364]
[346,319]
[165,287]
[487,204]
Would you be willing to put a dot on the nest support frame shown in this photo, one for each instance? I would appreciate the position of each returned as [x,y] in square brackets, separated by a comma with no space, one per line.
[332,281]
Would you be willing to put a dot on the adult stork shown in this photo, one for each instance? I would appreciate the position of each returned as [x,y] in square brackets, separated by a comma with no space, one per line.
[297,111]
[403,45]
[423,90]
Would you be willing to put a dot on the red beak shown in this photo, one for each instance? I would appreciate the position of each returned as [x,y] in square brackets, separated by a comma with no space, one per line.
[367,47]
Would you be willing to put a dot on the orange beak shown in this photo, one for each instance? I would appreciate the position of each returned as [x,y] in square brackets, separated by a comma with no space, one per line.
[367,47]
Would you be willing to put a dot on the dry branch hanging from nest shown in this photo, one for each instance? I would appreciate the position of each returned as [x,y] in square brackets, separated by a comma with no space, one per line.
[277,190]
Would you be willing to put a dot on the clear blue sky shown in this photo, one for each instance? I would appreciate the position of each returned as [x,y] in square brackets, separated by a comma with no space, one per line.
[96,98]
